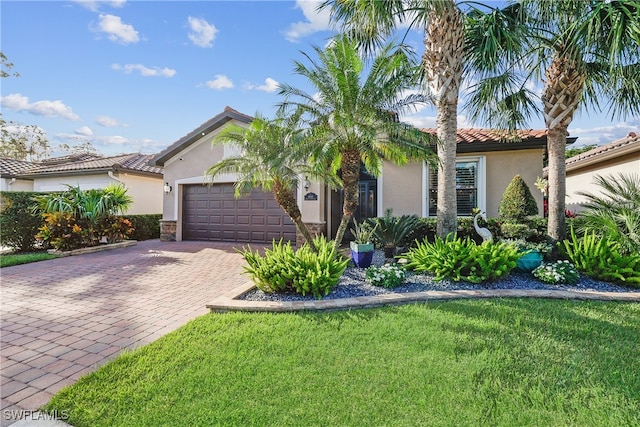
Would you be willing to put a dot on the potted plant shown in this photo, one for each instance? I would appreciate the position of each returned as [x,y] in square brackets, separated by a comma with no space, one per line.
[390,231]
[362,246]
[532,254]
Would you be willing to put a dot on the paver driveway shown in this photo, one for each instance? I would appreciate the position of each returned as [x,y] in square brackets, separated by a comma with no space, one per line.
[64,317]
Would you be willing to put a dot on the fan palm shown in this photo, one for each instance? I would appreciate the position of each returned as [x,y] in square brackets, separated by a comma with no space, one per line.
[588,53]
[445,50]
[272,157]
[615,213]
[354,112]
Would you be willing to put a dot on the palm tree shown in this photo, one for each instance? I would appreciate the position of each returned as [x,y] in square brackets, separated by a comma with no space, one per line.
[354,113]
[589,55]
[445,44]
[272,157]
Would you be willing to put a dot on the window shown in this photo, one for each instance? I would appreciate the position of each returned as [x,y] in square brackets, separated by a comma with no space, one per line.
[470,186]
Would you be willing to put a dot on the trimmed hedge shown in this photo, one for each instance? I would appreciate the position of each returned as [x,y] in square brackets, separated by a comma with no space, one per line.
[145,227]
[18,222]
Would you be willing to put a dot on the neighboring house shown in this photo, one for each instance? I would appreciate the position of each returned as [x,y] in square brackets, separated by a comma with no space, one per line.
[10,175]
[143,182]
[620,156]
[199,210]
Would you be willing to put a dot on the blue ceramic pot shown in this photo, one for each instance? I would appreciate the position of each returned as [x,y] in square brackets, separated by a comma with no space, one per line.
[529,261]
[362,255]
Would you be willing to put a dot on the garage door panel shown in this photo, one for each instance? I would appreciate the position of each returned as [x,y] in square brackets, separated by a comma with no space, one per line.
[213,213]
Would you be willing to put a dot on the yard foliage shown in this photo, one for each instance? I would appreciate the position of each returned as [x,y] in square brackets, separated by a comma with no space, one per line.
[281,269]
[462,259]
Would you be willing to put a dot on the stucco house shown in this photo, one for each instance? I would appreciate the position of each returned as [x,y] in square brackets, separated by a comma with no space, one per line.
[620,156]
[199,210]
[143,181]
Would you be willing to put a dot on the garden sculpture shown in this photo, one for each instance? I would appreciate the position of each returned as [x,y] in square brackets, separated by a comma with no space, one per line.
[483,232]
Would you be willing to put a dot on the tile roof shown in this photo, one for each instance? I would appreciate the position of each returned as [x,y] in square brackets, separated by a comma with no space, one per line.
[471,135]
[631,141]
[135,162]
[11,167]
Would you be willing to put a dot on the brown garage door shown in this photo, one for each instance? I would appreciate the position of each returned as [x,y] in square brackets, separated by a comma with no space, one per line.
[213,213]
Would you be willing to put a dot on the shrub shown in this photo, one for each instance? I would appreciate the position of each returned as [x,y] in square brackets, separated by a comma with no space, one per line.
[557,272]
[462,259]
[390,231]
[18,221]
[282,269]
[388,276]
[115,228]
[615,212]
[145,226]
[62,231]
[600,258]
[517,202]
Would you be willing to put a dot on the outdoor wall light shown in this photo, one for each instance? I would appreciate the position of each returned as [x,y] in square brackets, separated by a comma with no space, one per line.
[307,184]
[167,188]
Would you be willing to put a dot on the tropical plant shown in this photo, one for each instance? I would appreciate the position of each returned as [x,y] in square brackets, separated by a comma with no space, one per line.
[391,230]
[281,269]
[363,232]
[18,223]
[589,55]
[88,208]
[271,157]
[457,44]
[599,258]
[462,259]
[615,212]
[354,110]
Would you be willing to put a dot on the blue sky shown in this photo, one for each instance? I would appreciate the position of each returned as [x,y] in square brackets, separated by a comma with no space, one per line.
[135,76]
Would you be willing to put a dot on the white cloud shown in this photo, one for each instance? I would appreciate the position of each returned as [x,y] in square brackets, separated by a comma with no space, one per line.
[270,85]
[604,134]
[18,102]
[144,71]
[316,21]
[202,33]
[116,30]
[220,82]
[94,5]
[422,122]
[84,131]
[108,122]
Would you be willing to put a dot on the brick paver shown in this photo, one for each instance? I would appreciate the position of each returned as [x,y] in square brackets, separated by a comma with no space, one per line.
[65,317]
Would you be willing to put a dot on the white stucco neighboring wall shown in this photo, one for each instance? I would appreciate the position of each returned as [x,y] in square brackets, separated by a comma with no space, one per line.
[146,191]
[13,184]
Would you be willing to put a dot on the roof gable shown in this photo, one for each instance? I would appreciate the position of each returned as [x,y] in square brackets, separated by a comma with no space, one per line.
[209,126]
[629,143]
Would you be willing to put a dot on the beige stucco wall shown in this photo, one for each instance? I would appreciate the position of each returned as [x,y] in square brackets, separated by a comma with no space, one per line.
[404,188]
[7,184]
[401,189]
[503,166]
[146,191]
[583,179]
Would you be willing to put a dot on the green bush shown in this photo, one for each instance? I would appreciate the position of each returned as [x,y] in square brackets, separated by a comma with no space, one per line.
[390,231]
[387,276]
[462,259]
[599,257]
[557,272]
[145,227]
[282,269]
[517,202]
[18,222]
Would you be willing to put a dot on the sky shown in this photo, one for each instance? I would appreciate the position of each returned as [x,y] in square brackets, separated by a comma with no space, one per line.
[136,76]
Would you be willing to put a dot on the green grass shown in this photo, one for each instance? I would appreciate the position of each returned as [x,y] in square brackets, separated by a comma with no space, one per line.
[15,259]
[502,362]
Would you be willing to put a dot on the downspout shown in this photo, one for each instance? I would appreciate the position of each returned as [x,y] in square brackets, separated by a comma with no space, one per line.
[115,178]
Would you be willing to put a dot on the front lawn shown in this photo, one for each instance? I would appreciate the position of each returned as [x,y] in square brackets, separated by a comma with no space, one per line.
[15,259]
[502,362]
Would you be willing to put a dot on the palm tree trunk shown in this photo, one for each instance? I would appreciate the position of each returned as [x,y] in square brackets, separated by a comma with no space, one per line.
[562,93]
[442,61]
[350,178]
[285,198]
